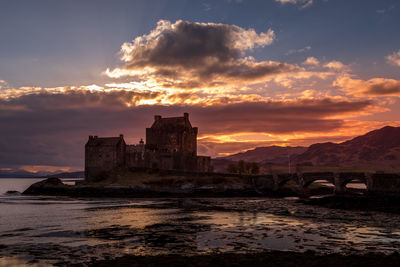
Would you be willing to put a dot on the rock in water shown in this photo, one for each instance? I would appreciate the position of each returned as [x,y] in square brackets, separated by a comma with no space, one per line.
[50,186]
[12,193]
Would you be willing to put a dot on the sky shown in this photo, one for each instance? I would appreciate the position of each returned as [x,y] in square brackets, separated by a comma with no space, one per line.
[249,73]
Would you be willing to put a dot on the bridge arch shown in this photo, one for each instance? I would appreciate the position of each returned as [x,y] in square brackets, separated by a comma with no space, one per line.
[345,178]
[310,181]
[309,178]
[282,179]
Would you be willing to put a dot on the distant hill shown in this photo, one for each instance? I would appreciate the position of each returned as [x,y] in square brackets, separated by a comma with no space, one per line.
[80,174]
[265,156]
[17,174]
[378,149]
[270,154]
[26,174]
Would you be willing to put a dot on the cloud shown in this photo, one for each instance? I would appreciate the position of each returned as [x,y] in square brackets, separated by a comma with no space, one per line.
[394,59]
[335,65]
[303,3]
[371,87]
[312,61]
[295,51]
[200,68]
[188,55]
[50,129]
[303,115]
[385,10]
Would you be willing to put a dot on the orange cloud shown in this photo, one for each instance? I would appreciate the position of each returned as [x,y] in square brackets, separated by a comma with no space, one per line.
[336,65]
[371,87]
[39,168]
[311,61]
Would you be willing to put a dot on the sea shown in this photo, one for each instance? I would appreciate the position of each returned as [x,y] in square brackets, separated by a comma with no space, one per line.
[47,230]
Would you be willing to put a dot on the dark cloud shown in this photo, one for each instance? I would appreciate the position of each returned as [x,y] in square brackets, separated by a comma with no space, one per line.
[185,44]
[277,116]
[191,55]
[383,88]
[51,129]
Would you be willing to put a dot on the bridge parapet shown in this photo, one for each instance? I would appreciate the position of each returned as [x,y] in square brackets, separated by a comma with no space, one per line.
[264,182]
[384,183]
[377,183]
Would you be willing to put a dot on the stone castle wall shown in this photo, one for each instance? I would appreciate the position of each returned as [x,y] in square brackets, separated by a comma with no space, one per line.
[102,159]
[171,144]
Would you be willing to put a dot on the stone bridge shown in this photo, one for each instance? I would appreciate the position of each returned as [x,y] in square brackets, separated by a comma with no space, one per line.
[376,183]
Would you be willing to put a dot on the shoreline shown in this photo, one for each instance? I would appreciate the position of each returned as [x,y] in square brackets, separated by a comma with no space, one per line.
[352,201]
[55,187]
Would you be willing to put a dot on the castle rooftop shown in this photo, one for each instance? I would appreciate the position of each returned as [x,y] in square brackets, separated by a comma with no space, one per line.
[104,141]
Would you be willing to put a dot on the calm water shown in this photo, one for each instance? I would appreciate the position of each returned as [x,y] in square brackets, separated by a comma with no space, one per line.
[45,230]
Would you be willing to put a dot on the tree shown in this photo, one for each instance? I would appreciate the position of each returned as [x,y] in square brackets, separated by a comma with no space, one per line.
[255,169]
[232,168]
[241,166]
[248,167]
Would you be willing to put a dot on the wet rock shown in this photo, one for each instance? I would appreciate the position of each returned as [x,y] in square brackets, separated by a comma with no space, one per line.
[12,193]
[187,186]
[50,186]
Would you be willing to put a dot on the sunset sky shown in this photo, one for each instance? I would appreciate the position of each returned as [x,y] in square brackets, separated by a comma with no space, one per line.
[249,73]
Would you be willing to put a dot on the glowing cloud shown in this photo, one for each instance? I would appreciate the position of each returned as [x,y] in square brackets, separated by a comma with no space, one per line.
[188,55]
[311,61]
[336,65]
[371,87]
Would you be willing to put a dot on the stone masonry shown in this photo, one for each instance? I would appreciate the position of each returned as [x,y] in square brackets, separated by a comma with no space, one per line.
[171,144]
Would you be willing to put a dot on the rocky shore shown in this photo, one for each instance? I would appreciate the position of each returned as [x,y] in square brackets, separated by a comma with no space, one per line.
[352,201]
[55,187]
[199,232]
[390,204]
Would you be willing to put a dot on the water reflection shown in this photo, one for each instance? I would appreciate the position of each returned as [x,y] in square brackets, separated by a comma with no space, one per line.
[85,228]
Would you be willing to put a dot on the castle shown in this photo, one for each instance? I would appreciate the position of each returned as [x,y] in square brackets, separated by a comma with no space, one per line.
[171,144]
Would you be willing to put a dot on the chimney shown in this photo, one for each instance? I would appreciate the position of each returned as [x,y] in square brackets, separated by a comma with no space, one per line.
[157,117]
[121,136]
[186,115]
[90,137]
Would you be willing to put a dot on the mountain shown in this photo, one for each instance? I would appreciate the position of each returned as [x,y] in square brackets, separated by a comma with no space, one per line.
[17,174]
[79,174]
[265,156]
[378,149]
[270,154]
[26,174]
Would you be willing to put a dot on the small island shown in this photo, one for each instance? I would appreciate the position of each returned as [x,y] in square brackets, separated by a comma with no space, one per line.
[167,165]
